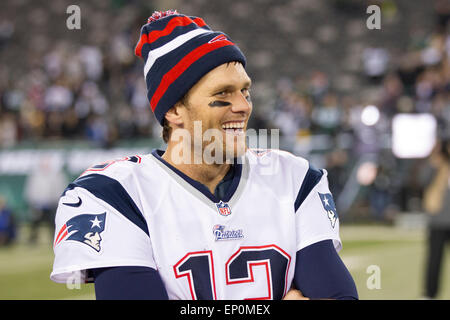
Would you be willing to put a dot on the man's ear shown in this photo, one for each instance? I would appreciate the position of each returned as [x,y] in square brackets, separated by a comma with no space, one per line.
[174,116]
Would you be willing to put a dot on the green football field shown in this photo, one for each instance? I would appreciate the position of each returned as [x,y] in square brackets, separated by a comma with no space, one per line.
[386,263]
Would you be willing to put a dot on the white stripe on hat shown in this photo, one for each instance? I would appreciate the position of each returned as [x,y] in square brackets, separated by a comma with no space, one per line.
[169,46]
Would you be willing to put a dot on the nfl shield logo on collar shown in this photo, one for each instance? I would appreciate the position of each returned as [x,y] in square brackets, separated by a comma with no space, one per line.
[223,208]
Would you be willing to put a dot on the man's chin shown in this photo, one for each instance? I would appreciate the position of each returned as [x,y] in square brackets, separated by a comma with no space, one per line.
[235,144]
[237,151]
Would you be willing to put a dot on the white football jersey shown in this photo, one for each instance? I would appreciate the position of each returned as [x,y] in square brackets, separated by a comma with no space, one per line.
[140,211]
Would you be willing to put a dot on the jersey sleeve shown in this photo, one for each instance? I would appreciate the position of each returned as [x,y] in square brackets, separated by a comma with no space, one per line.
[316,215]
[98,225]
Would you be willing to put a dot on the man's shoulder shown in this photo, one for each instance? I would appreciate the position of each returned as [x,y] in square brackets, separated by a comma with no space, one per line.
[280,170]
[117,169]
[283,158]
[111,184]
[113,176]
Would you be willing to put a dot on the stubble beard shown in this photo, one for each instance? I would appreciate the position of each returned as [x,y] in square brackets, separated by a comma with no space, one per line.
[212,146]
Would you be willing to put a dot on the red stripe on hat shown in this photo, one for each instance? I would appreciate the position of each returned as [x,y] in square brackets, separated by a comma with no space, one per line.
[182,65]
[155,35]
[200,22]
[142,41]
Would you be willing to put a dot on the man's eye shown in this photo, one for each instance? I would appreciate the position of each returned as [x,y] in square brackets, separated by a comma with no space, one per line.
[221,93]
[246,93]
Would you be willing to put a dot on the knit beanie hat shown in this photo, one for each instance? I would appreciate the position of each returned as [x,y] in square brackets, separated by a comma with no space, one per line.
[178,51]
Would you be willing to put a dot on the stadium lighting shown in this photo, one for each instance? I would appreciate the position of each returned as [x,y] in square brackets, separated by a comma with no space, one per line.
[370,115]
[413,135]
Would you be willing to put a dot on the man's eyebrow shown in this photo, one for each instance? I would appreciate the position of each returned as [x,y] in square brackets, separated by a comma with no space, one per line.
[229,87]
[223,87]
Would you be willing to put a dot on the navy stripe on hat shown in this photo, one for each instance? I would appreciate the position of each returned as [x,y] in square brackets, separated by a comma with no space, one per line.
[165,63]
[202,66]
[163,27]
[164,39]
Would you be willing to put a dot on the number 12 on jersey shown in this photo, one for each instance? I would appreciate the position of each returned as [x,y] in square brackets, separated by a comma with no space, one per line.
[198,268]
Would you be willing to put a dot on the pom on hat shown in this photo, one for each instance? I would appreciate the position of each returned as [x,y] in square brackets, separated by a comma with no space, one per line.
[161,14]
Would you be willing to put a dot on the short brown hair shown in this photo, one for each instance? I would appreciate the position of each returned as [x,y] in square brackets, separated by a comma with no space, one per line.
[166,131]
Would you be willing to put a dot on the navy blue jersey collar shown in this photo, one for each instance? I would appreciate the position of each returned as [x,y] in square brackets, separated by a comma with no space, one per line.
[201,187]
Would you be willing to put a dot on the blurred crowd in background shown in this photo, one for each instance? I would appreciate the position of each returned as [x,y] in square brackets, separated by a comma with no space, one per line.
[315,65]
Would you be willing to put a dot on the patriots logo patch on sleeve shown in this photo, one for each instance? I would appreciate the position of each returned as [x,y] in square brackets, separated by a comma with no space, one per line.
[329,206]
[84,228]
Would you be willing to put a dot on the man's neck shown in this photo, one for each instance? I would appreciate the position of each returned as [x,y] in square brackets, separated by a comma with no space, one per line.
[208,174]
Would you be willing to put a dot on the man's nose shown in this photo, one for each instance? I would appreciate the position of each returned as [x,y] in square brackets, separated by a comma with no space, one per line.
[241,104]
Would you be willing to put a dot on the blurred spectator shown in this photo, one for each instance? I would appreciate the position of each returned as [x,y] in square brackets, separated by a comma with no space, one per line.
[327,115]
[392,90]
[91,58]
[436,202]
[7,224]
[43,189]
[442,8]
[380,192]
[58,98]
[6,31]
[9,131]
[336,165]
[319,85]
[375,63]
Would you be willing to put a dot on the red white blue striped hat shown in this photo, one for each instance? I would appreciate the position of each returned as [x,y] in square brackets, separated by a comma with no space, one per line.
[179,50]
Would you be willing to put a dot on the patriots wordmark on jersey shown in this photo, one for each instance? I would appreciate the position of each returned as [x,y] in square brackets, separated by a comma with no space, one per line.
[140,211]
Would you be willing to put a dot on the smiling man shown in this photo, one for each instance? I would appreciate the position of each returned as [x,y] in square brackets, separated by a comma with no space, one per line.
[203,219]
[209,125]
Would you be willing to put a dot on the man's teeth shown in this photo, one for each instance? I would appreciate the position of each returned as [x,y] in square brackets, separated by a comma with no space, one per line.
[233,125]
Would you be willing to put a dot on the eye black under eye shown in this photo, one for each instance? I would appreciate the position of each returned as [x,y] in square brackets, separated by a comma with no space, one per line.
[218,103]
